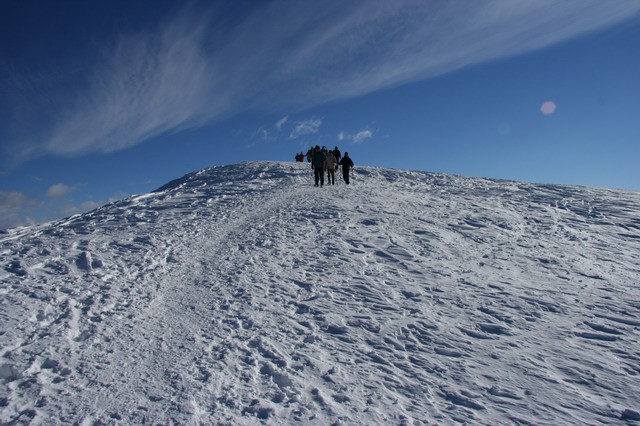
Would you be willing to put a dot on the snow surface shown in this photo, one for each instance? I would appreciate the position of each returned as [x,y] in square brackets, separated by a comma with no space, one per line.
[244,295]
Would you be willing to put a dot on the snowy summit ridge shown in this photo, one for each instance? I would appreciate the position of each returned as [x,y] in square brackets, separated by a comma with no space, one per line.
[243,295]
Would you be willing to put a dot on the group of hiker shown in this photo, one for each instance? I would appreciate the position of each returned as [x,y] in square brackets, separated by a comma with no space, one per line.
[324,161]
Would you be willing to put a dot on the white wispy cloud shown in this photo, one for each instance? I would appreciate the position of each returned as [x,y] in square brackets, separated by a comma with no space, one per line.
[361,136]
[144,85]
[264,134]
[286,54]
[282,122]
[356,138]
[59,190]
[306,127]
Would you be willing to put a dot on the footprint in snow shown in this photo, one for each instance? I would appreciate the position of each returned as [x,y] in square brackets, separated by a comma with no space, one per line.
[476,334]
[462,398]
[604,328]
[16,268]
[597,336]
[448,352]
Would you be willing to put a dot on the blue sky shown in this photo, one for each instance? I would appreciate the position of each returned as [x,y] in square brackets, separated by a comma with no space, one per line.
[101,100]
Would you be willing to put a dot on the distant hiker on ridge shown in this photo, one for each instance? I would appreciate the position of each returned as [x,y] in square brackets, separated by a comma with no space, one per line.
[336,153]
[346,164]
[331,168]
[318,163]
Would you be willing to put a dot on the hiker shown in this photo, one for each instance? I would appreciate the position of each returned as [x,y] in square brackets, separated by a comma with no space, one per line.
[318,163]
[310,155]
[336,153]
[346,164]
[331,168]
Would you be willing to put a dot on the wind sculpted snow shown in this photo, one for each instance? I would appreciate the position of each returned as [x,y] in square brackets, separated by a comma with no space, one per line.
[244,295]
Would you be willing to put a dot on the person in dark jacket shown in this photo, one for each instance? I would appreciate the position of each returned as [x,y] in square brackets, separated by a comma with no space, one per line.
[337,154]
[346,164]
[318,163]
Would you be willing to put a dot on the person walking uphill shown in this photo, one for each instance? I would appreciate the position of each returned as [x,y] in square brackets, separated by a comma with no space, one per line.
[346,164]
[318,161]
[331,168]
[336,153]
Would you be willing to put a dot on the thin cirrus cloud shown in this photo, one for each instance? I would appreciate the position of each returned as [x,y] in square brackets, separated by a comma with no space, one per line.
[361,136]
[306,127]
[291,55]
[357,138]
[282,122]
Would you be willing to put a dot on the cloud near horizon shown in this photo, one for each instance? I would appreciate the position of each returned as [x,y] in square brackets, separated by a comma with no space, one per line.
[13,208]
[284,55]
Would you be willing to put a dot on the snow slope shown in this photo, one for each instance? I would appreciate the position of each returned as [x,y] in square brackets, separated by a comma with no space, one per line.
[244,295]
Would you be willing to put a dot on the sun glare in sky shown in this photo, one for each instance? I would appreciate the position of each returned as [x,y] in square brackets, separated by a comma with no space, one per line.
[548,108]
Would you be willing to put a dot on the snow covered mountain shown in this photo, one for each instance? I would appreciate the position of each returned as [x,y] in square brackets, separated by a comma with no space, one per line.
[244,295]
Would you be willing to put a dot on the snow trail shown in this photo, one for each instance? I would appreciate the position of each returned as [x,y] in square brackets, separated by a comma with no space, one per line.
[243,295]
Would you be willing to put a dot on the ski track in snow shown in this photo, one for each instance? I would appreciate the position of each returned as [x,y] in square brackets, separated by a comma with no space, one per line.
[243,295]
